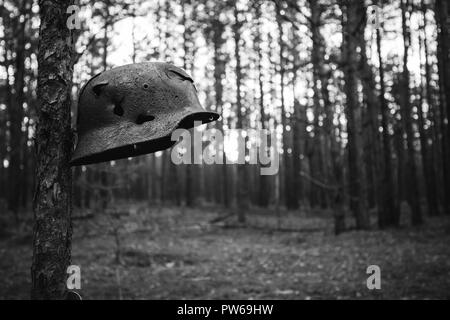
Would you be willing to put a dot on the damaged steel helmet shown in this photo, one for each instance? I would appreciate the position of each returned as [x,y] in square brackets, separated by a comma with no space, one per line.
[133,109]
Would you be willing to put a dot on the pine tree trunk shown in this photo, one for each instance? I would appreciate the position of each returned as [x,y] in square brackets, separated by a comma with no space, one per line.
[388,215]
[291,201]
[428,169]
[190,192]
[298,147]
[242,194]
[52,206]
[16,116]
[370,125]
[263,195]
[412,181]
[4,148]
[443,21]
[434,118]
[353,111]
[317,167]
[298,128]
[219,71]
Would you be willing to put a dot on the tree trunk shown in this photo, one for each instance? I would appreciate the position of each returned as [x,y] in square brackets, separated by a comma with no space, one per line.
[291,201]
[442,12]
[52,205]
[412,181]
[242,194]
[434,118]
[16,115]
[353,111]
[317,156]
[263,191]
[189,194]
[299,132]
[371,124]
[388,215]
[428,169]
[219,72]
[298,126]
[4,146]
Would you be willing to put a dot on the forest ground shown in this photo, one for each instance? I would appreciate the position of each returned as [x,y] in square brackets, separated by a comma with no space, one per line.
[173,253]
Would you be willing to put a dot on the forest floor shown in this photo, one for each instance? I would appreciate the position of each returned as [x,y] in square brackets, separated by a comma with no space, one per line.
[173,253]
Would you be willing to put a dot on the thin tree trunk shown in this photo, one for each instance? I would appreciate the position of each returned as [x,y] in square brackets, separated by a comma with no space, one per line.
[189,177]
[442,12]
[433,112]
[298,146]
[298,128]
[317,168]
[427,156]
[388,215]
[52,206]
[371,112]
[242,194]
[16,115]
[352,111]
[4,147]
[291,202]
[105,39]
[219,71]
[412,185]
[263,191]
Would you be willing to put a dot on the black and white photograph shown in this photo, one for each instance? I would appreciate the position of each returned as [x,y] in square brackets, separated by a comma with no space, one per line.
[224,156]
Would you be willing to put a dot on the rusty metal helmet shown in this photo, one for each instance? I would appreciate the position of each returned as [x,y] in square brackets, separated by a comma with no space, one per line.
[133,109]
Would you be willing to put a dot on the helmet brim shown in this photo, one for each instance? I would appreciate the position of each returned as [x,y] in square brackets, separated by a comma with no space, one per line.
[103,138]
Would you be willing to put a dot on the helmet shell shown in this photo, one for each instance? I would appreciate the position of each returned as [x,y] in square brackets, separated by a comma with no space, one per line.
[133,109]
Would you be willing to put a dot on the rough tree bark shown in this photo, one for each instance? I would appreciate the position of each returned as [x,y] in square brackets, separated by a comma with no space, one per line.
[52,204]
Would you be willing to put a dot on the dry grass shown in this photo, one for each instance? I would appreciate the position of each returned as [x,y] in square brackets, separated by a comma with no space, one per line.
[172,253]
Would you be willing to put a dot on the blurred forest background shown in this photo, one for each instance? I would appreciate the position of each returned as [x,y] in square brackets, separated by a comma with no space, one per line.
[358,93]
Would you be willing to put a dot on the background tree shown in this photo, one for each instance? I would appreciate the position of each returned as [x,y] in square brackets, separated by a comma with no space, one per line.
[442,12]
[351,27]
[412,182]
[388,215]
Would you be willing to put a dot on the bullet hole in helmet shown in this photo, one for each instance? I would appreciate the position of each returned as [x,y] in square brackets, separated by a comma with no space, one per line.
[118,110]
[144,118]
[97,88]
